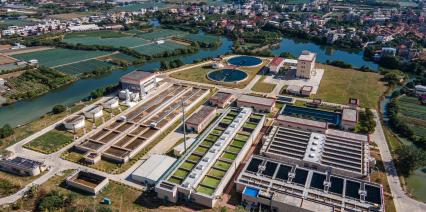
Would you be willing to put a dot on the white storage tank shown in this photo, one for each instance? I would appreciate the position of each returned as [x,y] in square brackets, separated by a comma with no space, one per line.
[94,112]
[74,122]
[111,103]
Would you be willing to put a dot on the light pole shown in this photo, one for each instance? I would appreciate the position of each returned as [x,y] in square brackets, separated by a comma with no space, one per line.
[184,125]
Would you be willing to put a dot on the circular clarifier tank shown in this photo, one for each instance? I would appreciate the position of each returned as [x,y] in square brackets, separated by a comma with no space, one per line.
[227,75]
[246,61]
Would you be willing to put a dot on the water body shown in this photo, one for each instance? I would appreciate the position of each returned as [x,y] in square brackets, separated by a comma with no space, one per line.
[27,110]
[227,75]
[324,53]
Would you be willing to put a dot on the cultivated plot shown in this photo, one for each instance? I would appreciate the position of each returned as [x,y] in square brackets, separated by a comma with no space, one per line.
[155,49]
[56,57]
[85,66]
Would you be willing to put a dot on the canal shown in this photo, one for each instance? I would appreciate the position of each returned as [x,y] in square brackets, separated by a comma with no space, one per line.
[27,110]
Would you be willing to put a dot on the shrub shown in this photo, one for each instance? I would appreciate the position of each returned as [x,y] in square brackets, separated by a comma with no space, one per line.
[58,109]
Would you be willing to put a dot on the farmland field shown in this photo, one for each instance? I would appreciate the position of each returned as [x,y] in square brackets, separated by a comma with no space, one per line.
[154,49]
[99,34]
[85,66]
[161,34]
[115,42]
[56,57]
[201,38]
[413,114]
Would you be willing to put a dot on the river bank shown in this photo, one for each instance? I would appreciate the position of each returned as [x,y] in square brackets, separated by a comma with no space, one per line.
[25,111]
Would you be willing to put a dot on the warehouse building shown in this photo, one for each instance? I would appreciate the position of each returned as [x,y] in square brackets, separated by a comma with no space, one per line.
[347,153]
[222,99]
[259,104]
[279,186]
[152,169]
[22,166]
[201,119]
[140,82]
[88,182]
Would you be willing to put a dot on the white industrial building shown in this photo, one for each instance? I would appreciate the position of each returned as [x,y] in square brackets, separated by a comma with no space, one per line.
[140,82]
[305,64]
[93,112]
[152,169]
[111,103]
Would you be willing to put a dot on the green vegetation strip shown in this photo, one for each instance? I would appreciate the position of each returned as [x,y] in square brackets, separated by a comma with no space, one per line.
[50,142]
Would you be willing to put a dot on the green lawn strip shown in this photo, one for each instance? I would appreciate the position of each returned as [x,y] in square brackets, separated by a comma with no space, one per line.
[238,143]
[50,142]
[216,173]
[201,150]
[175,180]
[207,143]
[210,181]
[216,132]
[205,190]
[233,113]
[222,165]
[241,137]
[180,173]
[187,165]
[229,156]
[211,137]
[232,149]
[256,116]
[226,121]
[194,158]
[250,125]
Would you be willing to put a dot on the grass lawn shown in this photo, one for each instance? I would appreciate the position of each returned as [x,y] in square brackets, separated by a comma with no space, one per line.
[180,173]
[50,142]
[194,158]
[205,190]
[229,156]
[210,181]
[201,150]
[250,125]
[175,180]
[226,121]
[216,132]
[222,165]
[199,74]
[241,137]
[11,183]
[187,165]
[338,85]
[238,143]
[263,87]
[233,149]
[211,137]
[207,143]
[124,198]
[216,173]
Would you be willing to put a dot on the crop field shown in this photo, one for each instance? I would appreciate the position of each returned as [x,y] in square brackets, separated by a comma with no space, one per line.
[115,42]
[154,49]
[161,34]
[56,57]
[121,56]
[93,34]
[413,113]
[201,38]
[85,66]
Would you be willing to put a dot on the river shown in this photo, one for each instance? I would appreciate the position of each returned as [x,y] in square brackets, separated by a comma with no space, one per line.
[27,110]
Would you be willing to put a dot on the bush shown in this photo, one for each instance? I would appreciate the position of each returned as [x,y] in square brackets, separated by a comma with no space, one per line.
[58,109]
[55,200]
[339,63]
[6,131]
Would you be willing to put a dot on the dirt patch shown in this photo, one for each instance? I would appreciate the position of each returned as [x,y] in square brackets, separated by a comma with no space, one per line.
[4,59]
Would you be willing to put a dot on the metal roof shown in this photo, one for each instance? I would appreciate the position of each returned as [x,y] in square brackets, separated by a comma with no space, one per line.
[154,167]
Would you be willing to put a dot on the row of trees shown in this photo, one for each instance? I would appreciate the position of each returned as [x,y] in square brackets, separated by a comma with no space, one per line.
[164,65]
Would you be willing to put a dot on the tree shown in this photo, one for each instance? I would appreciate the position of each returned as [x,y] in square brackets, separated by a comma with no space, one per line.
[366,124]
[409,158]
[287,55]
[58,109]
[6,131]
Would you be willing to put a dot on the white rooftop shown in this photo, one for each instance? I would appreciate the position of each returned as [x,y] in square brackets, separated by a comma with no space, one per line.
[349,114]
[315,147]
[154,167]
[307,56]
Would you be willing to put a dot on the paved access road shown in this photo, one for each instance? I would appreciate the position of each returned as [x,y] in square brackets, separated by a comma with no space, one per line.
[403,203]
